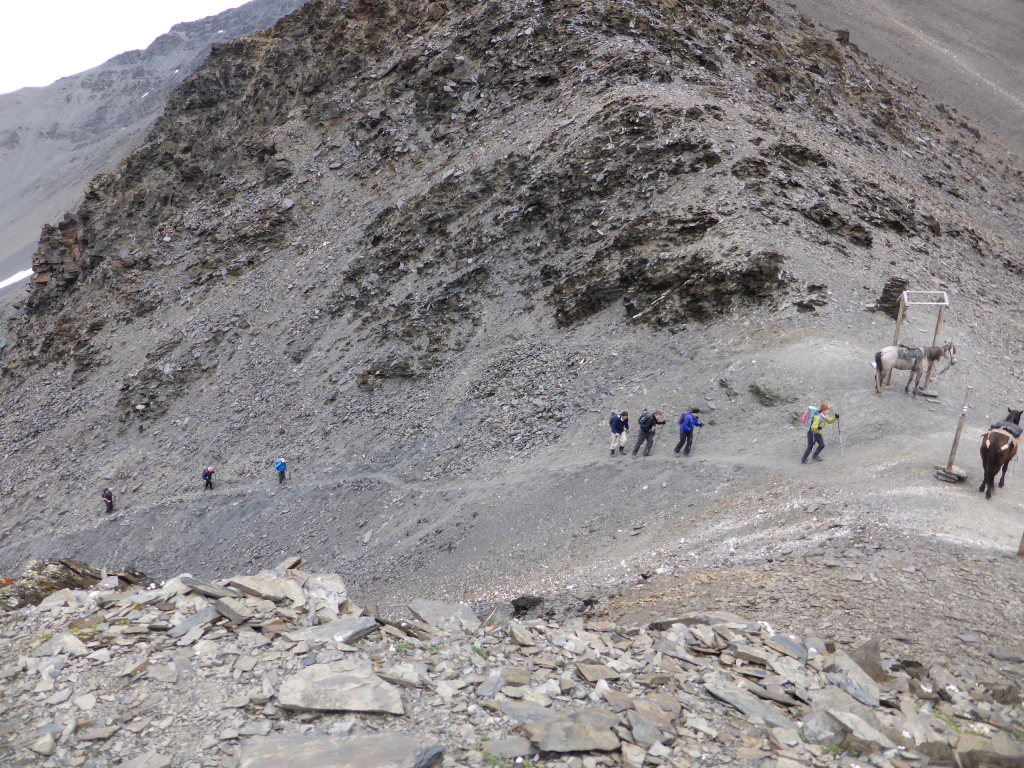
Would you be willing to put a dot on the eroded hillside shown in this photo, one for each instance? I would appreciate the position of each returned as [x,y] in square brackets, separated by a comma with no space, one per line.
[421,249]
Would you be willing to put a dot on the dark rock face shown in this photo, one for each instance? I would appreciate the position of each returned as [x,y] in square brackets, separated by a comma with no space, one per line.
[54,139]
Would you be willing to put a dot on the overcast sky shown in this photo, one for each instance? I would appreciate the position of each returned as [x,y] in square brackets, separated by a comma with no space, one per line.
[43,40]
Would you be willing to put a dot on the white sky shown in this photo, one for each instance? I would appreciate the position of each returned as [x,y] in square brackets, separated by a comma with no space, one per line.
[43,40]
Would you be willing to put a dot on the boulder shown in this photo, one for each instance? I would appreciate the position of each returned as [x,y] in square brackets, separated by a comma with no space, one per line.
[581,731]
[340,686]
[453,618]
[296,750]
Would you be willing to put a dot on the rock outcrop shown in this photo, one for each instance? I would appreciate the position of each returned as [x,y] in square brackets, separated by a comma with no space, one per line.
[109,677]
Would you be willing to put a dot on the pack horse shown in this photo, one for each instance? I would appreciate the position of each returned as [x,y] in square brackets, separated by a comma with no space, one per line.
[913,359]
[998,447]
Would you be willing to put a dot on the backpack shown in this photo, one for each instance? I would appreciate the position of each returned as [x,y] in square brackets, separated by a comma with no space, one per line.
[646,421]
[615,415]
[809,414]
[279,466]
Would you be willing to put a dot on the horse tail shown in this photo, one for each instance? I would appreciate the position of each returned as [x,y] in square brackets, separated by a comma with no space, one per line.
[878,371]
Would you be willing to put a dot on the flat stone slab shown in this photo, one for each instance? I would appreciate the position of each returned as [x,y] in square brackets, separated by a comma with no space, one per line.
[207,589]
[205,616]
[340,686]
[451,617]
[385,750]
[746,703]
[270,587]
[339,631]
[582,731]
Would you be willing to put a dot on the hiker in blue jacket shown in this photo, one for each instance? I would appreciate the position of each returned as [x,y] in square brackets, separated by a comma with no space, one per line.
[619,422]
[687,422]
[282,470]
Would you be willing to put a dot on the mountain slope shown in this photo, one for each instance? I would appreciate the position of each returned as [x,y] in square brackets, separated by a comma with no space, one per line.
[421,250]
[53,140]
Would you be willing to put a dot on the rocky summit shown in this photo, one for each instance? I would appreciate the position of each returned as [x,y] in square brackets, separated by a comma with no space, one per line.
[422,250]
[280,668]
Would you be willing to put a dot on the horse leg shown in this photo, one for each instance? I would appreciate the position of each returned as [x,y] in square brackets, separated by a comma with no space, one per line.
[984,465]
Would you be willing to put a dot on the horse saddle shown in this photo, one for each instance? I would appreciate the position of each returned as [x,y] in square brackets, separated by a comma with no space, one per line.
[910,353]
[1008,426]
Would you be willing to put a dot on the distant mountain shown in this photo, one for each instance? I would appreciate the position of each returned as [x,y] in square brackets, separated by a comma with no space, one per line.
[53,140]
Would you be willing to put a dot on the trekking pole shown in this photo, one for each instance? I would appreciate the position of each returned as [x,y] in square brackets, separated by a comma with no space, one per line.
[695,436]
[839,426]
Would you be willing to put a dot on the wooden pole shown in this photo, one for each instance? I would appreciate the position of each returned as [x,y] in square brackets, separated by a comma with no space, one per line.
[935,343]
[896,334]
[959,429]
[899,318]
[1020,549]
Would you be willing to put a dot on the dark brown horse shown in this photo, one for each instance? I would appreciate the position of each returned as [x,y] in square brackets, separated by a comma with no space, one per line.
[998,447]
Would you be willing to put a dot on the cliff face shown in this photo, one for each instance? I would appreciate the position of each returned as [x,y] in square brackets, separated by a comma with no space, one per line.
[412,242]
[53,140]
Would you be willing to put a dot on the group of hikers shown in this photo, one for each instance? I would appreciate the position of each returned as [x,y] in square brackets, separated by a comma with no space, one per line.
[648,423]
[815,418]
[689,421]
[280,466]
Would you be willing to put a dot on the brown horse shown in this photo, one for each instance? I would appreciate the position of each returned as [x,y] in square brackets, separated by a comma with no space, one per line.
[998,447]
[913,359]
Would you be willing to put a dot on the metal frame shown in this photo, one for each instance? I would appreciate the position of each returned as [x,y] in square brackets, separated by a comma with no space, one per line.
[907,300]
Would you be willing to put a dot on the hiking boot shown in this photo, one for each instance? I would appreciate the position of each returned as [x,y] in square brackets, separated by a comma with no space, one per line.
[803,461]
[622,451]
[613,451]
[817,458]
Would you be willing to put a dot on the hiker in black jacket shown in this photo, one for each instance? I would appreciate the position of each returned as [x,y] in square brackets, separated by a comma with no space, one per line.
[647,423]
[108,499]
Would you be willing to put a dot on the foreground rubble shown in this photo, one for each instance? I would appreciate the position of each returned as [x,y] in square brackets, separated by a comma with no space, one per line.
[281,669]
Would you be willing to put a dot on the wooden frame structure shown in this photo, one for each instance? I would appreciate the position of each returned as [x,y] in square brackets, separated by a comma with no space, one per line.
[938,299]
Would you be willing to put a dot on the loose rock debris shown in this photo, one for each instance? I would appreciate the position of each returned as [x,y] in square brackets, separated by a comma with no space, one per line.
[281,668]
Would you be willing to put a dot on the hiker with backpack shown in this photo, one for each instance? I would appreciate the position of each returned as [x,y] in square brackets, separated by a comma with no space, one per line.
[818,418]
[619,422]
[282,470]
[687,422]
[108,499]
[208,478]
[648,422]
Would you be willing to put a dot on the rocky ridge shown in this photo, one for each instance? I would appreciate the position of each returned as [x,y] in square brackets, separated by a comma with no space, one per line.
[281,666]
[53,140]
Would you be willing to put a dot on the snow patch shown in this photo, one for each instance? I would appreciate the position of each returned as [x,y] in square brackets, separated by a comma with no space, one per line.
[16,278]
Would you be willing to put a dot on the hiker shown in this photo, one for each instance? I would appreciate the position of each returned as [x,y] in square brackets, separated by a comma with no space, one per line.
[282,470]
[619,423]
[687,422]
[818,421]
[208,478]
[108,499]
[648,422]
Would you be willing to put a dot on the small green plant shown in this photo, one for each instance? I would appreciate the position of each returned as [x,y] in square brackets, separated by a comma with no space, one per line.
[493,760]
[481,652]
[82,631]
[43,638]
[403,647]
[952,724]
[833,749]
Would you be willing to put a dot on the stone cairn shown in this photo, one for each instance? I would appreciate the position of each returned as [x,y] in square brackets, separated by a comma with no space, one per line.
[889,301]
[281,669]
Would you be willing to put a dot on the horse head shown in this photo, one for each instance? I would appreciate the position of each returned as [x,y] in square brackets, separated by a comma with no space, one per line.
[1013,416]
[949,352]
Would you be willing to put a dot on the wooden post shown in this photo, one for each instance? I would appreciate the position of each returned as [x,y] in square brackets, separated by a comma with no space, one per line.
[899,318]
[896,335]
[959,429]
[1020,549]
[935,343]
